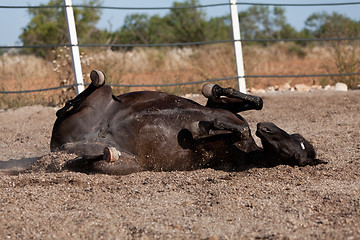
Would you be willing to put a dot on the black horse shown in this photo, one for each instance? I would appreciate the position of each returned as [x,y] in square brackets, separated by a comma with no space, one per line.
[150,130]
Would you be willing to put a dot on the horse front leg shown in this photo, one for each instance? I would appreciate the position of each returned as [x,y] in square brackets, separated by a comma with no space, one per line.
[202,129]
[112,161]
[235,101]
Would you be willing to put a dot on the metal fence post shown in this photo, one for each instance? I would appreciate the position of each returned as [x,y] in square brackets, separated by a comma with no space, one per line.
[237,46]
[69,15]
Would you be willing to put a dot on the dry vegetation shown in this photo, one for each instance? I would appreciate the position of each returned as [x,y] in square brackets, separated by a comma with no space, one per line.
[170,65]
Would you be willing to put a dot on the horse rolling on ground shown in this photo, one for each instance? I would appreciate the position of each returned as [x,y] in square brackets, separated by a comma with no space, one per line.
[150,130]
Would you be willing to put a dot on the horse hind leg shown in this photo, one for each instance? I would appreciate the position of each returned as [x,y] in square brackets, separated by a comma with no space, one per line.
[97,80]
[235,101]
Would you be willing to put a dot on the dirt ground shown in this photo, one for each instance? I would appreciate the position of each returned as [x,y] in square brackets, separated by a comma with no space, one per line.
[319,202]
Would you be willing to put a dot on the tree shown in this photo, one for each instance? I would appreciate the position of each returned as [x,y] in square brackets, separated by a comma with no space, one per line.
[48,26]
[187,24]
[135,29]
[179,25]
[323,25]
[160,31]
[218,28]
[262,22]
[143,29]
[346,59]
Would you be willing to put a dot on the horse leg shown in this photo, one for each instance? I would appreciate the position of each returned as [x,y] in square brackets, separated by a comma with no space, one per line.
[203,128]
[97,80]
[112,161]
[235,101]
[117,162]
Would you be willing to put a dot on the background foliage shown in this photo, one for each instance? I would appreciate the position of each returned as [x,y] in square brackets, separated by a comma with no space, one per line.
[48,26]
[168,65]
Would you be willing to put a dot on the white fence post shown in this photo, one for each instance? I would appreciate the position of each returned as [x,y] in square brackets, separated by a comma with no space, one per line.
[69,15]
[237,46]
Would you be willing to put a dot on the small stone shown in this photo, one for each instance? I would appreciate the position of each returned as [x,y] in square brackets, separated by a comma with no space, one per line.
[342,87]
[316,87]
[270,89]
[302,88]
[327,88]
[284,87]
[251,90]
[254,90]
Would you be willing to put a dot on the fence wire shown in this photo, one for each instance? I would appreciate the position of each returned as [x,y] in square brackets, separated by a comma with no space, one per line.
[188,83]
[184,44]
[187,7]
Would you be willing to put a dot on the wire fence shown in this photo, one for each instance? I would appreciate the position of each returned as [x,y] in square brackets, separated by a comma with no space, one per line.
[186,43]
[187,7]
[190,83]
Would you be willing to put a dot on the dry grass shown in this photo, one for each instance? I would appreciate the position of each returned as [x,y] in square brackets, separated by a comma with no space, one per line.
[172,65]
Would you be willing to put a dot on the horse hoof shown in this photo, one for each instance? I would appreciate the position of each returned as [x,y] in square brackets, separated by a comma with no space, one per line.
[209,90]
[97,78]
[111,154]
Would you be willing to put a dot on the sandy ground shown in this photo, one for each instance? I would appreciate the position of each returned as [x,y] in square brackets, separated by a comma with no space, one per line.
[320,202]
